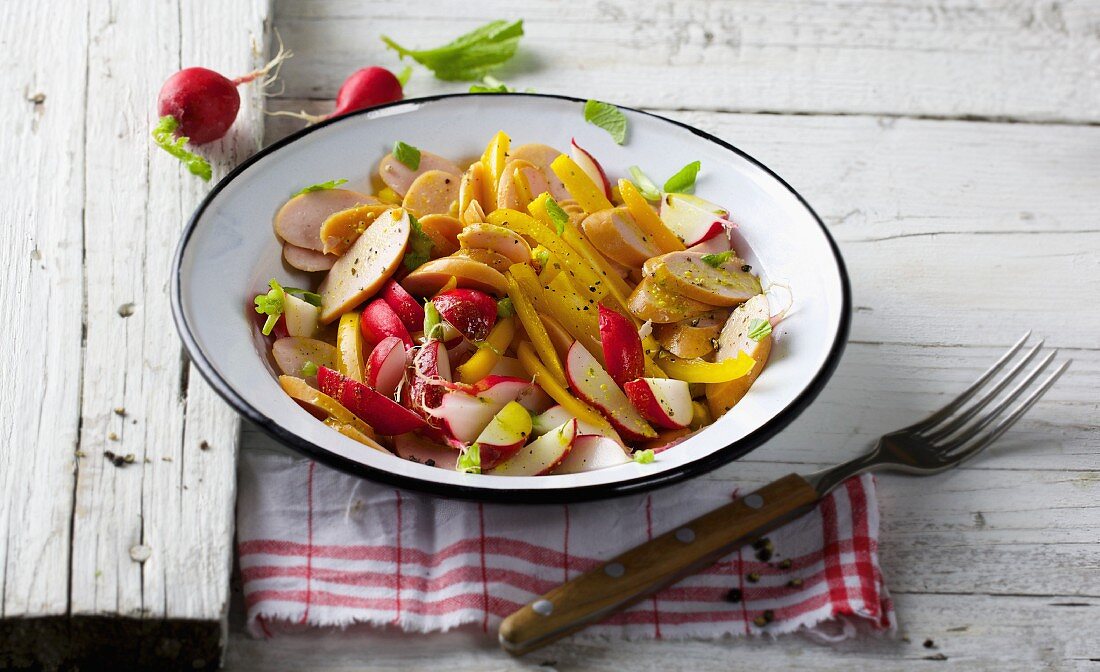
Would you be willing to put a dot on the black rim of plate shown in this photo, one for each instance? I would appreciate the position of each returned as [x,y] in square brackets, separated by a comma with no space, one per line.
[691,469]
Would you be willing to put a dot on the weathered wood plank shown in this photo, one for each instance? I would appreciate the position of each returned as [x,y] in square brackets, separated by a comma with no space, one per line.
[995,634]
[41,285]
[151,538]
[1030,60]
[150,557]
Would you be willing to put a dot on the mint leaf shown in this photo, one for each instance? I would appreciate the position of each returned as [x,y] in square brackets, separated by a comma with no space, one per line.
[469,462]
[403,76]
[646,188]
[470,56]
[558,216]
[320,186]
[309,297]
[759,329]
[644,456]
[716,260]
[407,154]
[162,136]
[608,117]
[505,308]
[271,304]
[420,246]
[683,182]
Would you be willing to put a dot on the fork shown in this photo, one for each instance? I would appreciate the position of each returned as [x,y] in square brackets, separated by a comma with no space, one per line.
[950,436]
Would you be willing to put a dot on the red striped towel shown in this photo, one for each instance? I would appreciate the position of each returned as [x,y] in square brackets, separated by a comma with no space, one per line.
[319,548]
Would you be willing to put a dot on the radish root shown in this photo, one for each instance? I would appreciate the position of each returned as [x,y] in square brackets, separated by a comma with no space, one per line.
[270,72]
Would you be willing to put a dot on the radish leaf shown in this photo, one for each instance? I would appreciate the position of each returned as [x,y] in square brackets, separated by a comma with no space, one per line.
[271,304]
[403,76]
[608,117]
[470,56]
[162,136]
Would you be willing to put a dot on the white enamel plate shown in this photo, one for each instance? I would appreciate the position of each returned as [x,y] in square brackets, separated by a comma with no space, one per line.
[228,253]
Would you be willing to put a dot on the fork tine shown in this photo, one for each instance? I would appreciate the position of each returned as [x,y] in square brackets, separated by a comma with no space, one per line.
[1003,426]
[959,421]
[945,412]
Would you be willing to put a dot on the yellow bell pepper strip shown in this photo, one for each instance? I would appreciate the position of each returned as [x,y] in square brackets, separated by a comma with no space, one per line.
[387,195]
[448,286]
[581,187]
[648,220]
[580,410]
[493,159]
[551,269]
[699,371]
[586,280]
[488,353]
[579,317]
[349,346]
[356,433]
[523,187]
[529,318]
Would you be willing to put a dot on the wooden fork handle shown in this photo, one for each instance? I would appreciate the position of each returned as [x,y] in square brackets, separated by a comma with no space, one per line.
[645,569]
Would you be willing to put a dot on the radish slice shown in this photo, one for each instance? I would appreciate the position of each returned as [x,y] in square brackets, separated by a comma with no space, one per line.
[591,167]
[592,452]
[386,365]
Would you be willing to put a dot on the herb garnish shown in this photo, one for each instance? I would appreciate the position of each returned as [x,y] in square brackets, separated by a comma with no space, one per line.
[644,456]
[469,462]
[683,182]
[320,186]
[407,155]
[646,187]
[271,304]
[717,259]
[759,329]
[470,56]
[608,117]
[420,246]
[557,215]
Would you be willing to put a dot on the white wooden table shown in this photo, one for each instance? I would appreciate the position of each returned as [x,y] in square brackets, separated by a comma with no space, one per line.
[953,148]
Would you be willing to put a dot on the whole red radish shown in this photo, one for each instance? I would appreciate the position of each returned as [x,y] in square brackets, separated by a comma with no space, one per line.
[366,87]
[197,106]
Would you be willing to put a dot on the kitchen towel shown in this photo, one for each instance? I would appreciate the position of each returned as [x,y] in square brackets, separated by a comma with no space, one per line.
[319,548]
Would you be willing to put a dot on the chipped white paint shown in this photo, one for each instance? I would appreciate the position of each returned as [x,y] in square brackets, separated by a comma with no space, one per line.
[90,224]
[959,235]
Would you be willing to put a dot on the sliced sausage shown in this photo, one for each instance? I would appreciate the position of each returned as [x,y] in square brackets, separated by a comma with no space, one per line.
[734,338]
[542,156]
[695,337]
[399,177]
[509,194]
[366,265]
[614,232]
[443,230]
[432,194]
[299,221]
[687,273]
[307,260]
[432,276]
[292,352]
[341,229]
[498,239]
[494,260]
[650,301]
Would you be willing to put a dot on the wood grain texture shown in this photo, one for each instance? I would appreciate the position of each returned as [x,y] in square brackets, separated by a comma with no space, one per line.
[137,554]
[1030,60]
[41,284]
[942,223]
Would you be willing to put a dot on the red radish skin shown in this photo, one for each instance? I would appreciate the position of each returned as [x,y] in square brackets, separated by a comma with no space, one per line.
[664,402]
[367,87]
[407,308]
[364,88]
[432,362]
[203,102]
[385,415]
[472,312]
[622,348]
[379,321]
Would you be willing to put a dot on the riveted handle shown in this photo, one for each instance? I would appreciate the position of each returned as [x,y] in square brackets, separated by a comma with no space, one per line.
[645,569]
